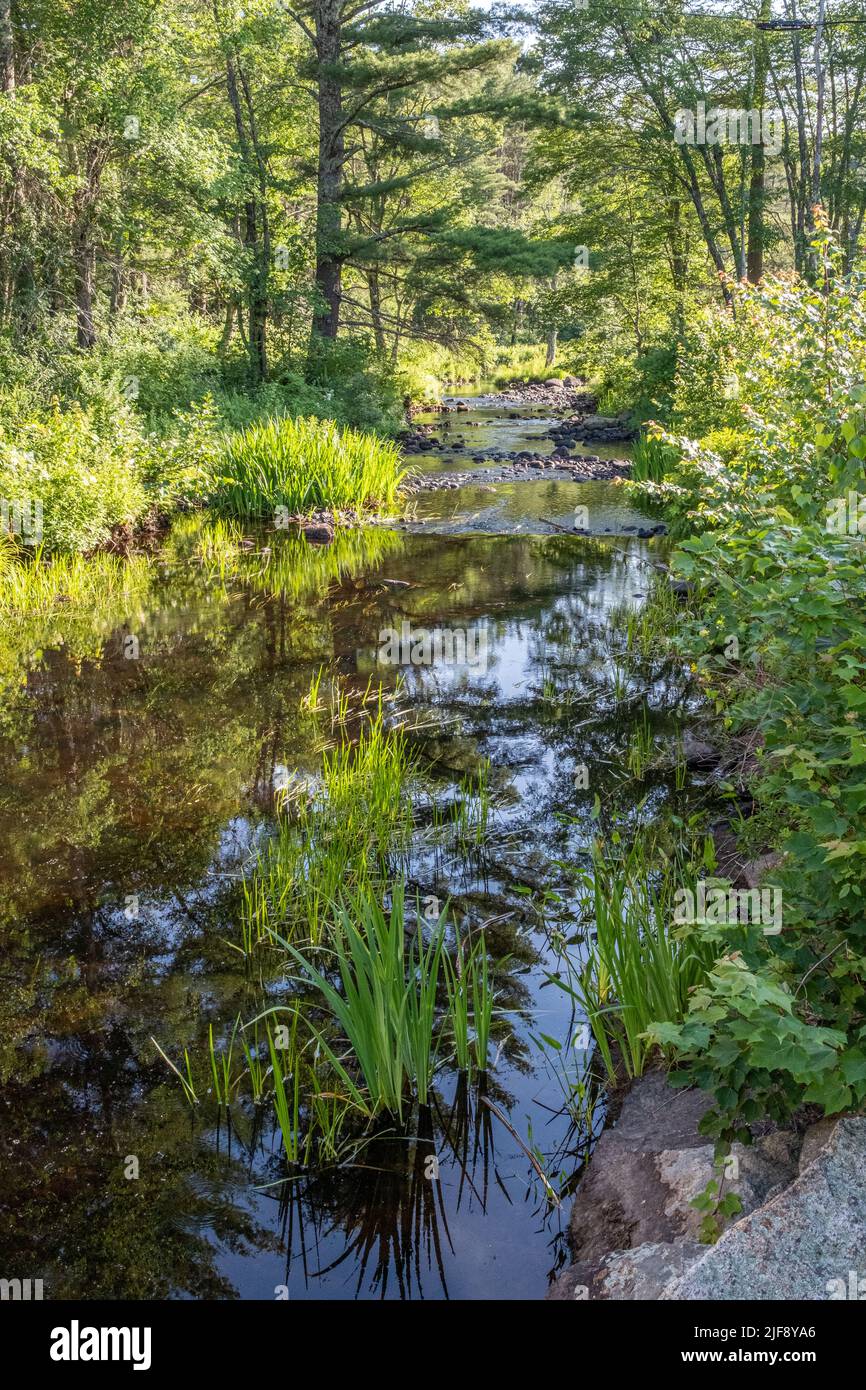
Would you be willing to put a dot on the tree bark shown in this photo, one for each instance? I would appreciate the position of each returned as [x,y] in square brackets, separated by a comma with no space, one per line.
[85,274]
[329,180]
[255,221]
[7,49]
[552,342]
[755,236]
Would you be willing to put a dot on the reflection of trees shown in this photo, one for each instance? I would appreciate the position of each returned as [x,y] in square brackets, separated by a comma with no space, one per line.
[151,779]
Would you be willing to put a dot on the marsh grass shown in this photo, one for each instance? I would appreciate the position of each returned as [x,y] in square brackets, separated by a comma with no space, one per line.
[224,1080]
[286,1084]
[386,1007]
[641,746]
[305,465]
[471,813]
[640,966]
[281,564]
[652,459]
[470,1002]
[186,1081]
[351,830]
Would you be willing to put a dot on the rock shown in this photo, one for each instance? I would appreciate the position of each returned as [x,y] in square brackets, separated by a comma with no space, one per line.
[571,381]
[604,427]
[318,533]
[753,872]
[815,1138]
[642,1273]
[555,382]
[696,752]
[803,1244]
[632,1217]
[561,452]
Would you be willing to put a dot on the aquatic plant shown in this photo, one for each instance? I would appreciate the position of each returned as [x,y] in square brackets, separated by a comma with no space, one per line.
[224,1082]
[471,812]
[386,1008]
[640,965]
[345,829]
[186,1081]
[470,1002]
[304,465]
[652,459]
[287,566]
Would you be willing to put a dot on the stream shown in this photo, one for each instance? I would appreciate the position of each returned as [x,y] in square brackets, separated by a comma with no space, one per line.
[138,779]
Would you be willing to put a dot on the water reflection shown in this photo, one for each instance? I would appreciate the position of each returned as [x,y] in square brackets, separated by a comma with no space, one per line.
[133,793]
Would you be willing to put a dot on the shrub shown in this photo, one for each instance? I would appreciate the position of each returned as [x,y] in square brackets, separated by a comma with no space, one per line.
[81,465]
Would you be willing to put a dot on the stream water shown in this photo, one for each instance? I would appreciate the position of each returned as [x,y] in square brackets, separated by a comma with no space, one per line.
[138,779]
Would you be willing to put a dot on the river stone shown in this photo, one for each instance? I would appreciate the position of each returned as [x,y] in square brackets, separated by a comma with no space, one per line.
[803,1244]
[815,1138]
[642,1273]
[754,871]
[697,752]
[652,1162]
[647,1168]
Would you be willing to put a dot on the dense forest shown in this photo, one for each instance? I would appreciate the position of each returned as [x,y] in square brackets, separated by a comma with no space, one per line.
[278,281]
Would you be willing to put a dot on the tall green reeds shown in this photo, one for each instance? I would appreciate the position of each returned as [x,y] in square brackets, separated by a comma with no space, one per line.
[347,830]
[641,965]
[304,465]
[385,1007]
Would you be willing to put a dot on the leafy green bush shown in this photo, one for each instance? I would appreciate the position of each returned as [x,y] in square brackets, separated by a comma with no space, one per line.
[743,1041]
[779,580]
[81,466]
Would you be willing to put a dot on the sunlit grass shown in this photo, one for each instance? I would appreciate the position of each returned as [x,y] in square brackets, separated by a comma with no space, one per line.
[641,965]
[385,1007]
[305,465]
[346,829]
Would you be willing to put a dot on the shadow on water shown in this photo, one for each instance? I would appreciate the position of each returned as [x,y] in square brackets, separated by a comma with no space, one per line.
[136,788]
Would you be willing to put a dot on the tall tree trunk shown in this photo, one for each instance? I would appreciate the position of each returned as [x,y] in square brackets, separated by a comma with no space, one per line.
[374,292]
[85,274]
[552,341]
[7,49]
[117,300]
[678,259]
[255,214]
[755,242]
[329,181]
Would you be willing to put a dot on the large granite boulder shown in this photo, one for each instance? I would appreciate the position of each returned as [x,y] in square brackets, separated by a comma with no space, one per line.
[808,1242]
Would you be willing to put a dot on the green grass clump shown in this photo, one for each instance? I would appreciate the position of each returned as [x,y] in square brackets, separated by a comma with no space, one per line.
[641,966]
[652,459]
[386,1005]
[305,465]
[344,831]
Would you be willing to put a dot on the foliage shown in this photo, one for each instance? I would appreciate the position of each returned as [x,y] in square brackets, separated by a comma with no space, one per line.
[777,644]
[82,466]
[386,1008]
[304,465]
[639,965]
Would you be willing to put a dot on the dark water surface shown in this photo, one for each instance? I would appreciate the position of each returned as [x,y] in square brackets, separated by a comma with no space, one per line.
[134,791]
